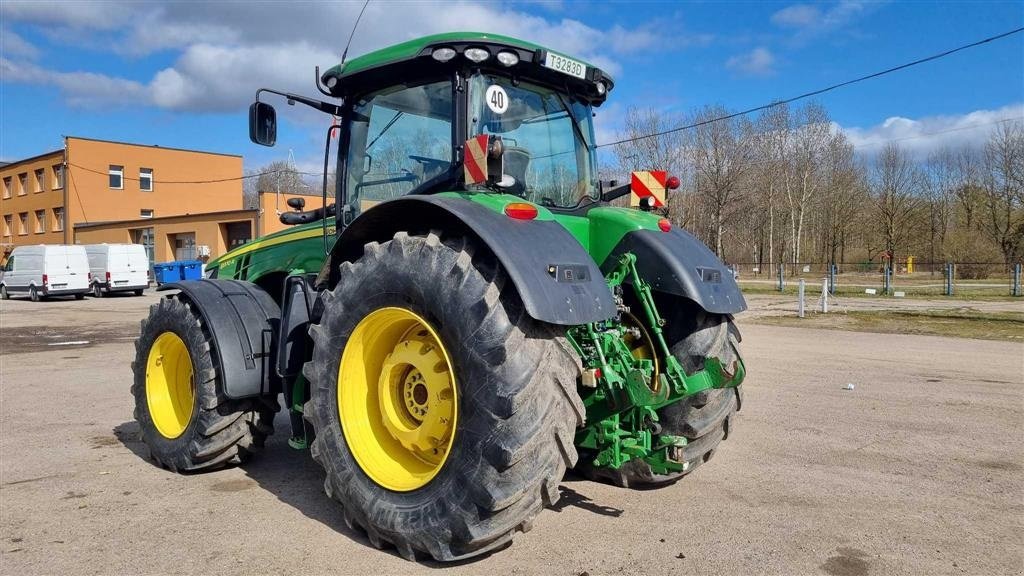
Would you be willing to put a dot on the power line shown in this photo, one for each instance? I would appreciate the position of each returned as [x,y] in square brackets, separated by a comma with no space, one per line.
[213,181]
[818,91]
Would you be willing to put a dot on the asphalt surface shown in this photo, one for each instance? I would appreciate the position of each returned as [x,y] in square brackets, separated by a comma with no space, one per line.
[917,470]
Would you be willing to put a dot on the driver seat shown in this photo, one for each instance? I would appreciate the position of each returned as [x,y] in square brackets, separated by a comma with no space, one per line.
[517,164]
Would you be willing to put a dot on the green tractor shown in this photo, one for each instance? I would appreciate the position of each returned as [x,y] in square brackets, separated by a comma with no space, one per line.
[467,320]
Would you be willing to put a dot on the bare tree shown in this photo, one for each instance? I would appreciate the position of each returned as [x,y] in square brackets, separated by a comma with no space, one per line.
[895,186]
[807,146]
[1003,196]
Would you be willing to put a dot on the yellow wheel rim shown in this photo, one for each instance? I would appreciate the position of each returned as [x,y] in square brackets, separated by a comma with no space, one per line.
[170,390]
[397,399]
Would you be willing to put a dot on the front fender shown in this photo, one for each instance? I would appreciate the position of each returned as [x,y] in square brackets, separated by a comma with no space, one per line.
[243,322]
[675,262]
[556,278]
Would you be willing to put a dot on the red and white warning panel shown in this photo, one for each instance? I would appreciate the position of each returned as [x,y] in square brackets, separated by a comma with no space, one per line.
[648,183]
[475,164]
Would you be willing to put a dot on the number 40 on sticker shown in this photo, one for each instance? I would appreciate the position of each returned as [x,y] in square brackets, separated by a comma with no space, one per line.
[497,99]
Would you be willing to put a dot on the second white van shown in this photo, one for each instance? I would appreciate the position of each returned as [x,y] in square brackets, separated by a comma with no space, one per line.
[46,270]
[118,268]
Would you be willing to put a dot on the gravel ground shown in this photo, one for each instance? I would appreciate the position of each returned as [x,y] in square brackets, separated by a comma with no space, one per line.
[917,470]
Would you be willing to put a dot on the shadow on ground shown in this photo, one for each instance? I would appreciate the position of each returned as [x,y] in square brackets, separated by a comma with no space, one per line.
[295,479]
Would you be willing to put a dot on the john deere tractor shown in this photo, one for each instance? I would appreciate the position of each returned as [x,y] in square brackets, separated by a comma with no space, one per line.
[468,317]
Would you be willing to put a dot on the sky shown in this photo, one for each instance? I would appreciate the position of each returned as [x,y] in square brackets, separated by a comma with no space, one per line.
[182,74]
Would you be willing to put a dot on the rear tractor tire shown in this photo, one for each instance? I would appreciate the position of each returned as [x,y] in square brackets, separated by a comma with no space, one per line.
[455,418]
[187,424]
[707,417]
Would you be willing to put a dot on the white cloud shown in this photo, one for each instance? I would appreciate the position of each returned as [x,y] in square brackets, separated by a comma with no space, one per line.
[85,89]
[758,62]
[11,44]
[810,20]
[931,133]
[225,51]
[797,16]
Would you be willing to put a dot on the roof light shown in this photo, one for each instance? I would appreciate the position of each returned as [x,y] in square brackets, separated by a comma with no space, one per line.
[601,88]
[508,58]
[672,183]
[521,211]
[664,224]
[477,54]
[443,54]
[331,82]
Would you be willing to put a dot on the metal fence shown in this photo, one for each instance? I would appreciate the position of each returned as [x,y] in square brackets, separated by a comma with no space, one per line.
[904,279]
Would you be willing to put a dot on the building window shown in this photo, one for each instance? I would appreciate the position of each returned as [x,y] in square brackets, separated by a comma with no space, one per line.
[146,179]
[23,218]
[7,187]
[58,219]
[23,182]
[58,176]
[144,213]
[40,221]
[40,179]
[8,224]
[116,177]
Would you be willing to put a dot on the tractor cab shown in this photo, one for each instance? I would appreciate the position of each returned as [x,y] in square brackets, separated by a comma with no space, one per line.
[407,113]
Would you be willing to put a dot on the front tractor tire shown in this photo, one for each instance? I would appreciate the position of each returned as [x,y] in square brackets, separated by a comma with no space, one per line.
[454,418]
[705,418]
[186,423]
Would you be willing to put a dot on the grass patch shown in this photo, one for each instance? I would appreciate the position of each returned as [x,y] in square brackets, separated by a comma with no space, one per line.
[960,323]
[814,290]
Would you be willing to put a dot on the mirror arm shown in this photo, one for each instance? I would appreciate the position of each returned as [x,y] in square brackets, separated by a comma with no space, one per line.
[332,109]
[617,192]
[319,85]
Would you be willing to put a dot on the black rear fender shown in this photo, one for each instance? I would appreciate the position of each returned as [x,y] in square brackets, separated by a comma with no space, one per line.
[677,263]
[556,278]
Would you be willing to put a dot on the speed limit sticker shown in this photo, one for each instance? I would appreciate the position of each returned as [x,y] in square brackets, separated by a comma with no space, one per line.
[497,99]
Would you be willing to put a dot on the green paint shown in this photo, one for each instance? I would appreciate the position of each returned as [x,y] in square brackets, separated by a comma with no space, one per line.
[417,47]
[622,402]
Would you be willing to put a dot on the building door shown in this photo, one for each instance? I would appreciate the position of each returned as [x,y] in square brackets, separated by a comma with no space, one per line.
[145,237]
[238,233]
[185,246]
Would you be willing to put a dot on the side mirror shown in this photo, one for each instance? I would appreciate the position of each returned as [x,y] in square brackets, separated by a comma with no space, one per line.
[297,203]
[262,124]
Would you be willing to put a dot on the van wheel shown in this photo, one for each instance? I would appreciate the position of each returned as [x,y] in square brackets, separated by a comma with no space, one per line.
[97,292]
[3,293]
[33,294]
[79,296]
[139,291]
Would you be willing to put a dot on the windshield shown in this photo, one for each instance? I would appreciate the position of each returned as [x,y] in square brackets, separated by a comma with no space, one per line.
[400,137]
[548,139]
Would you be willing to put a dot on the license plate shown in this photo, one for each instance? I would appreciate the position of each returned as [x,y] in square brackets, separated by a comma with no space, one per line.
[120,281]
[566,65]
[55,286]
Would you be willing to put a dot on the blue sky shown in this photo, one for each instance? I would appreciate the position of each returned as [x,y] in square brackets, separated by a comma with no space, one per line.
[183,74]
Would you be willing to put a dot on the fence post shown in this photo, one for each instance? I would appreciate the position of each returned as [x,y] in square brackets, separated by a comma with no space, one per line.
[800,301]
[949,273]
[782,277]
[1016,279]
[832,278]
[887,279]
[824,295]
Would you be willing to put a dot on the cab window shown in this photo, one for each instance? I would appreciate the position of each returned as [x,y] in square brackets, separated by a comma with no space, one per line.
[400,137]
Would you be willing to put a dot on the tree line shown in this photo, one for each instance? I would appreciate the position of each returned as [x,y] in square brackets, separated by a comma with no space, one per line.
[788,187]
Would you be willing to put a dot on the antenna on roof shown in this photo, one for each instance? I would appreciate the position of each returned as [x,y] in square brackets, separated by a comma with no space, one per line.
[353,33]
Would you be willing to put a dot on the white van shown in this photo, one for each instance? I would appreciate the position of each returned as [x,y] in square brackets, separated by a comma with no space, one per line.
[118,268]
[46,270]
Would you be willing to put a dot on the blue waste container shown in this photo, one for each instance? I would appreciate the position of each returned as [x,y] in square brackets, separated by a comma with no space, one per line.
[165,272]
[191,269]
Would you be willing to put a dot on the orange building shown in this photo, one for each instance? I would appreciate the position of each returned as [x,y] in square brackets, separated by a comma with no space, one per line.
[46,199]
